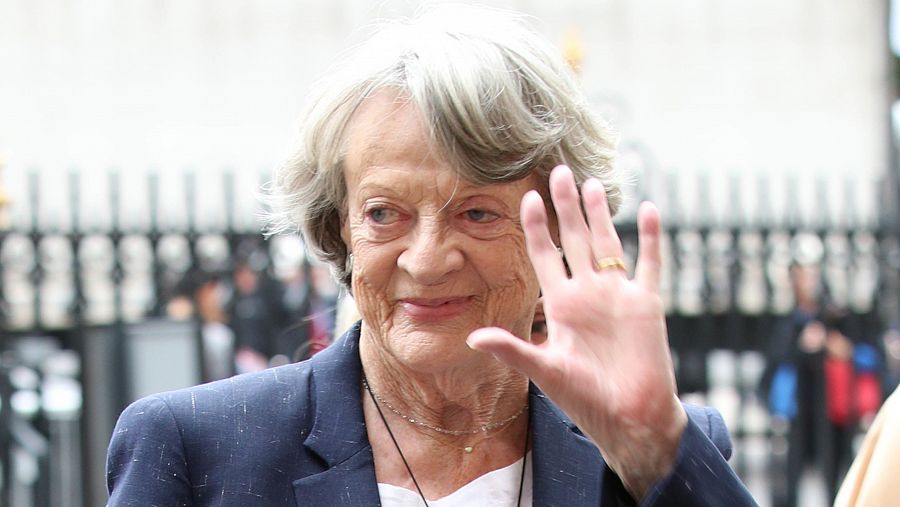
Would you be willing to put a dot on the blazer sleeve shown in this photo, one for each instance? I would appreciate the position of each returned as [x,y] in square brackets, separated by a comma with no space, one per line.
[701,475]
[146,462]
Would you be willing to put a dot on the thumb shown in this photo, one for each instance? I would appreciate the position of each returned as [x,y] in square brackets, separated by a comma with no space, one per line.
[517,353]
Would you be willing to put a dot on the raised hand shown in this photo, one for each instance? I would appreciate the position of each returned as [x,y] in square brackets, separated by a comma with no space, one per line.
[606,360]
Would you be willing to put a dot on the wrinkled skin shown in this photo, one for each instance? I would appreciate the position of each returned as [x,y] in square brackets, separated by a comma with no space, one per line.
[437,259]
[434,259]
[606,359]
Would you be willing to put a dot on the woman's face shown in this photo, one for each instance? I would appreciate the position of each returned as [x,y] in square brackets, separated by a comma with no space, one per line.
[434,257]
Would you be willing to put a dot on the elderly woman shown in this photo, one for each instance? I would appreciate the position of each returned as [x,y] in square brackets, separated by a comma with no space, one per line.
[452,175]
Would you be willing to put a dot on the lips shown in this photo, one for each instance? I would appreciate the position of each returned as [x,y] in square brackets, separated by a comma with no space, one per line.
[432,309]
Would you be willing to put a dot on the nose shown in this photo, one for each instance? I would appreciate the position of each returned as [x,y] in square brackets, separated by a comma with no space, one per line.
[432,255]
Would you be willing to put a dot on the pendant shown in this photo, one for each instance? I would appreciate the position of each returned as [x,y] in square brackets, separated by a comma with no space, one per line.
[468,449]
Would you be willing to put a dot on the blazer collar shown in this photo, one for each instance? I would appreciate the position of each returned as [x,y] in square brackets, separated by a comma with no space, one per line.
[568,469]
[338,433]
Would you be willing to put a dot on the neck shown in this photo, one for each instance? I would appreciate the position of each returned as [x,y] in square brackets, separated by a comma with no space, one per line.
[433,464]
[458,398]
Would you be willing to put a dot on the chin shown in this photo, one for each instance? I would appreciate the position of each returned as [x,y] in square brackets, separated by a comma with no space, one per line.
[432,351]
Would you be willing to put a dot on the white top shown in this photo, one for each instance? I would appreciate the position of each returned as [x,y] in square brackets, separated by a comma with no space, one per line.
[498,488]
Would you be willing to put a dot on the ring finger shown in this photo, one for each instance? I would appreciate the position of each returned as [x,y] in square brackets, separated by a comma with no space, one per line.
[604,239]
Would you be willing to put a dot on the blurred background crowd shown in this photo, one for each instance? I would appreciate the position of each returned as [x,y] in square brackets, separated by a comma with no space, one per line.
[135,138]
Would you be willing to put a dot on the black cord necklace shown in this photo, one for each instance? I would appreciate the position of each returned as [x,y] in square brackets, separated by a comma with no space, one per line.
[406,463]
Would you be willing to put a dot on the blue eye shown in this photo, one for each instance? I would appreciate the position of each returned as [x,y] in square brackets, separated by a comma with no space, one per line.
[383,215]
[480,215]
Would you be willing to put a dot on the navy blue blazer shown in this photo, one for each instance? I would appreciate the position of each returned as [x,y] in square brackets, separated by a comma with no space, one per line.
[295,436]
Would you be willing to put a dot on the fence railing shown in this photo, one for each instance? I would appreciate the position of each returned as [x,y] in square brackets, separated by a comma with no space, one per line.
[105,247]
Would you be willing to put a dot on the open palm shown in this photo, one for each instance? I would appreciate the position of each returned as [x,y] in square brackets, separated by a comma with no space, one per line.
[606,360]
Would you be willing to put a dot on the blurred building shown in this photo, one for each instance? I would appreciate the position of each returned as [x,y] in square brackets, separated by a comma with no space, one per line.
[702,85]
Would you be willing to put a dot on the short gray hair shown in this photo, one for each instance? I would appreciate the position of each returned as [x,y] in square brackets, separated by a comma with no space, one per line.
[500,101]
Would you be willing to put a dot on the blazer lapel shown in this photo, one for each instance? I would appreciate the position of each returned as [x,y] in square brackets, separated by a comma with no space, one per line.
[338,434]
[568,467]
[350,483]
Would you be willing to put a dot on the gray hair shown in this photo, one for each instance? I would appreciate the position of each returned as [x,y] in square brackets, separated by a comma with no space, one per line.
[500,102]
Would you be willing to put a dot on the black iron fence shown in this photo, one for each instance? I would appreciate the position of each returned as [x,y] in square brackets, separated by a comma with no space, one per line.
[92,272]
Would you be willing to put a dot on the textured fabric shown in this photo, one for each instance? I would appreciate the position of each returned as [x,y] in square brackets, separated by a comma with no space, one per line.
[870,481]
[295,435]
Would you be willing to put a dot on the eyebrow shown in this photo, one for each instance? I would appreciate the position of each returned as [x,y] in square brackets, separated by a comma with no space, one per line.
[377,185]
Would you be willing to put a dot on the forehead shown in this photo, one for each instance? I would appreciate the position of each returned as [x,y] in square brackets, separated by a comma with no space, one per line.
[386,127]
[388,136]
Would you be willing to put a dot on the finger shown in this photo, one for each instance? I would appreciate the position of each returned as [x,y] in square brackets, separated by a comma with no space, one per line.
[515,352]
[574,234]
[545,259]
[649,263]
[606,240]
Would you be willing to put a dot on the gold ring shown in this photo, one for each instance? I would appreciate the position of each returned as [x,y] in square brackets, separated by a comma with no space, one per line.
[610,263]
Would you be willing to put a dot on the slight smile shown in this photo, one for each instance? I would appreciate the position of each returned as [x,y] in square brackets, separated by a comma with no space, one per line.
[435,309]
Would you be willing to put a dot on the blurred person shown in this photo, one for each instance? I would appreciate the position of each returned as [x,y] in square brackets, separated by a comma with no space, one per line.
[256,317]
[323,310]
[318,314]
[793,383]
[450,174]
[842,412]
[870,480]
[295,299]
[179,305]
[308,297]
[217,336]
[199,297]
[812,386]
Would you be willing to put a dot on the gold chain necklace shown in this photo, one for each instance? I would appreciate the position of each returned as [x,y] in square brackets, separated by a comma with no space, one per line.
[468,449]
[422,424]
